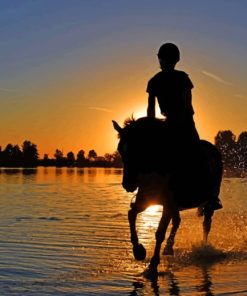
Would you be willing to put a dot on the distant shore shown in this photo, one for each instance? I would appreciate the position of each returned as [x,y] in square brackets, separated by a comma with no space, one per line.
[233,151]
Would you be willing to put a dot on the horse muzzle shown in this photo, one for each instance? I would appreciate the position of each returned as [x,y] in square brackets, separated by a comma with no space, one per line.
[129,187]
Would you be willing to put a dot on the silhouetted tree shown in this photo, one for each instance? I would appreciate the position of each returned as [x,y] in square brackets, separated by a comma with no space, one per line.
[81,159]
[7,155]
[8,149]
[242,150]
[117,160]
[58,154]
[108,157]
[11,156]
[1,156]
[92,155]
[225,141]
[17,155]
[60,159]
[30,154]
[46,161]
[46,157]
[113,160]
[70,159]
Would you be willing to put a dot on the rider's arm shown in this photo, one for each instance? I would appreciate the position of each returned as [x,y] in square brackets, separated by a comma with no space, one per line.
[187,99]
[151,106]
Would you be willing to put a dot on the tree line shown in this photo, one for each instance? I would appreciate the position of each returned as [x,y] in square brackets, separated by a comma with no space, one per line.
[28,156]
[233,151]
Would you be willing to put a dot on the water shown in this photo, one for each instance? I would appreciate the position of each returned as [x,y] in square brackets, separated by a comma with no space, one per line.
[65,232]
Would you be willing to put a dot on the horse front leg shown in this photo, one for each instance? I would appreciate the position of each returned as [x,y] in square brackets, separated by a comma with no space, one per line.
[208,213]
[168,250]
[160,236]
[138,250]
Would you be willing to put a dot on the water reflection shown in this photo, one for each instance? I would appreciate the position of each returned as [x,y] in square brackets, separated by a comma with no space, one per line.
[70,171]
[80,172]
[151,285]
[110,171]
[156,283]
[46,171]
[186,269]
[206,284]
[29,171]
[58,174]
[59,171]
[10,171]
[174,287]
[13,171]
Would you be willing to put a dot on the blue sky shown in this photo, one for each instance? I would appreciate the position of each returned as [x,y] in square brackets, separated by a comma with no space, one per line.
[99,54]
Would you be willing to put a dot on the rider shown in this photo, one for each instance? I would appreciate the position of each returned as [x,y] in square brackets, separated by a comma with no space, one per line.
[172,88]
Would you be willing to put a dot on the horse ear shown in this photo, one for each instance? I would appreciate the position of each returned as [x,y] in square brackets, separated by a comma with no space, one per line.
[116,126]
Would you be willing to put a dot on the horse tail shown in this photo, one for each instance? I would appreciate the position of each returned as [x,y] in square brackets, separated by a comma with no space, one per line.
[215,166]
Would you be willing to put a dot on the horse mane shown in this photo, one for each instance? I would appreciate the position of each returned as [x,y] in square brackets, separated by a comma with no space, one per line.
[144,128]
[142,120]
[129,120]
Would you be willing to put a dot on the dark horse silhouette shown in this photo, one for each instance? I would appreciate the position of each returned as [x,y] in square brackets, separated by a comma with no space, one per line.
[184,185]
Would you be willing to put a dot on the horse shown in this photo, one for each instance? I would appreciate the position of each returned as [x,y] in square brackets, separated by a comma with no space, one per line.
[148,167]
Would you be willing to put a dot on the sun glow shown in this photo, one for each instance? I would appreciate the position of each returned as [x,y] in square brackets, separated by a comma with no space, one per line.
[141,111]
[153,210]
[149,221]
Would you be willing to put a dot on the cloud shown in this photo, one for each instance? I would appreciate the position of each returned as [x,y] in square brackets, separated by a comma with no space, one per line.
[7,89]
[100,109]
[216,77]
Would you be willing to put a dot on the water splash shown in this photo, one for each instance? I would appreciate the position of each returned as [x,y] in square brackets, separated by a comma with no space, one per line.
[206,254]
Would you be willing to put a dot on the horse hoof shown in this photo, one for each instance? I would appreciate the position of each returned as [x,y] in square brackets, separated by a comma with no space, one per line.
[151,272]
[168,251]
[139,252]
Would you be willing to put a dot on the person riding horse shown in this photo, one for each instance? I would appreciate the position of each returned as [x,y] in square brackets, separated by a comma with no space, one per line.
[166,161]
[172,88]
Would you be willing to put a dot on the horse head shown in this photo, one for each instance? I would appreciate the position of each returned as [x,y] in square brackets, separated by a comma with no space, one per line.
[141,148]
[127,149]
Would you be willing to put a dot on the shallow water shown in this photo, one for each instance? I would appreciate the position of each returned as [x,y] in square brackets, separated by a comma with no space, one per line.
[65,232]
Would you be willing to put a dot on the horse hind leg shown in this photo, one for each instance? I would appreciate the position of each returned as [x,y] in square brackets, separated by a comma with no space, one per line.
[208,214]
[168,250]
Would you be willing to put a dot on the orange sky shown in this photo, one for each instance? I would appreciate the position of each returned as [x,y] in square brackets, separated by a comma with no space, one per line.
[73,69]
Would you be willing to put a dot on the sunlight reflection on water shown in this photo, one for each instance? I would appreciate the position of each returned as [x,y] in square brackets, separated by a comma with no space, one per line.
[65,232]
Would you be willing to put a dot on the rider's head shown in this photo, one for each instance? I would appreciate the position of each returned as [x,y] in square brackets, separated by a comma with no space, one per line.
[168,55]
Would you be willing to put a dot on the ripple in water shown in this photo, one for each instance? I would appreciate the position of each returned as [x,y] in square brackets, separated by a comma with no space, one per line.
[69,235]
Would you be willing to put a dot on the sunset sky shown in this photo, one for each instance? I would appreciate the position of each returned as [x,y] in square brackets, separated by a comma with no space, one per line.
[68,67]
